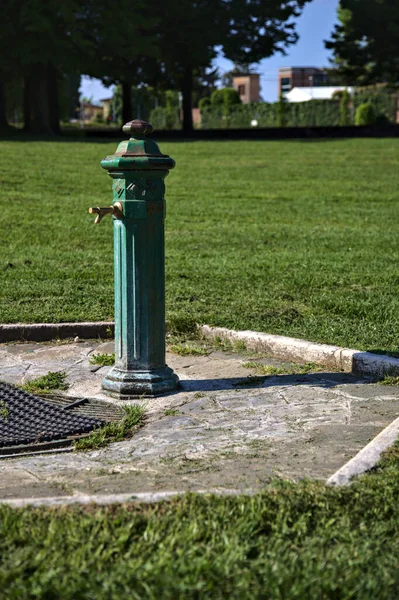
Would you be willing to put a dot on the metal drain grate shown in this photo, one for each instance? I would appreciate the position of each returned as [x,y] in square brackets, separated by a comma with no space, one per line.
[88,407]
[26,419]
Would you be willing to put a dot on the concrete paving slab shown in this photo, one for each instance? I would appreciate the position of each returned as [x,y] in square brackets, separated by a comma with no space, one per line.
[222,430]
[19,483]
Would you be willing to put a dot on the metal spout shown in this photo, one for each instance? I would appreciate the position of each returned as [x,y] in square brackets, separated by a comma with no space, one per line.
[116,210]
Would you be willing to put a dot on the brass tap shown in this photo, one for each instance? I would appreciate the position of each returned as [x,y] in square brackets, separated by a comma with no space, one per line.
[116,210]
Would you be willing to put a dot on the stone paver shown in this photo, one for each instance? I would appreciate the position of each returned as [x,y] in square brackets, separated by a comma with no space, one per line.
[214,434]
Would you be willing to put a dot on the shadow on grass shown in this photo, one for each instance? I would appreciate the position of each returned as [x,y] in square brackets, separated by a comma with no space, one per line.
[106,136]
[60,139]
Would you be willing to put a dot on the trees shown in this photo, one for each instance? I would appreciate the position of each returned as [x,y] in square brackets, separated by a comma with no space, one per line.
[246,31]
[9,62]
[60,37]
[170,45]
[125,45]
[46,49]
[365,42]
[259,28]
[44,46]
[188,34]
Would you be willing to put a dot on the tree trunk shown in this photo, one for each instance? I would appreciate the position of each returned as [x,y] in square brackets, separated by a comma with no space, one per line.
[3,116]
[127,110]
[54,109]
[27,103]
[36,101]
[187,92]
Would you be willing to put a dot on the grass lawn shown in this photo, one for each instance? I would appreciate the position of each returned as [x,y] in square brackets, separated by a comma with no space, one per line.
[294,541]
[294,237]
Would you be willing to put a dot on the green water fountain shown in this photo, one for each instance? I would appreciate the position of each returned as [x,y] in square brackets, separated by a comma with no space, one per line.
[138,169]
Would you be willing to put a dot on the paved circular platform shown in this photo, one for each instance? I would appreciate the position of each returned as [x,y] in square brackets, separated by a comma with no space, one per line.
[224,429]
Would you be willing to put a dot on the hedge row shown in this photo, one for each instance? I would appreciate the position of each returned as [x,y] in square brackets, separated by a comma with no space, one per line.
[301,114]
[315,113]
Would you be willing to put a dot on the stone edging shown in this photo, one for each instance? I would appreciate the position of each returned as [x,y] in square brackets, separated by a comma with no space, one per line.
[286,348]
[367,457]
[113,498]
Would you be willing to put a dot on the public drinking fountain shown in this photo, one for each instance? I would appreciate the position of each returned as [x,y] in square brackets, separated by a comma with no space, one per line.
[138,170]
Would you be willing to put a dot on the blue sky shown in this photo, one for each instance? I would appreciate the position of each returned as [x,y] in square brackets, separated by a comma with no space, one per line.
[313,26]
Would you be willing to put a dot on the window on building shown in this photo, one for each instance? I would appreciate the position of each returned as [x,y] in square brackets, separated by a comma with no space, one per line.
[241,90]
[319,79]
[285,84]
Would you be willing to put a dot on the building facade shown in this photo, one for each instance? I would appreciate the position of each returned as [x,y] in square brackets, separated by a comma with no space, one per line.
[90,112]
[302,77]
[247,86]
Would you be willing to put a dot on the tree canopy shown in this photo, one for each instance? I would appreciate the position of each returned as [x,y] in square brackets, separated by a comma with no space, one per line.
[365,42]
[170,44]
[245,31]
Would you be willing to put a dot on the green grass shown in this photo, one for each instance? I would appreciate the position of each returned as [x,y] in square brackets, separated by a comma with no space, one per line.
[290,542]
[286,369]
[117,431]
[189,349]
[103,360]
[4,411]
[390,380]
[54,380]
[171,412]
[293,238]
[226,345]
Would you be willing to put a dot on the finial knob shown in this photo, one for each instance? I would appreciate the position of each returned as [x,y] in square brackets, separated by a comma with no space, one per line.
[138,127]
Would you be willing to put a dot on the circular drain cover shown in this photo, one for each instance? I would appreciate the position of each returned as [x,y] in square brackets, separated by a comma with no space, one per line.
[28,420]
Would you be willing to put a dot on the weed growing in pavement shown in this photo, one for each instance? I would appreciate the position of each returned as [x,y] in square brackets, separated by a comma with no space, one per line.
[4,412]
[54,380]
[285,369]
[226,345]
[102,360]
[118,431]
[390,380]
[189,349]
[171,412]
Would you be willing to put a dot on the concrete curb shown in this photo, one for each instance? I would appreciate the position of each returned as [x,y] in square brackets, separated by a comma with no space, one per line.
[105,499]
[286,348]
[368,456]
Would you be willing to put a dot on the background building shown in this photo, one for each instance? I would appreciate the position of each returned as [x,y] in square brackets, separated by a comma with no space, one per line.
[248,87]
[291,77]
[107,107]
[90,111]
